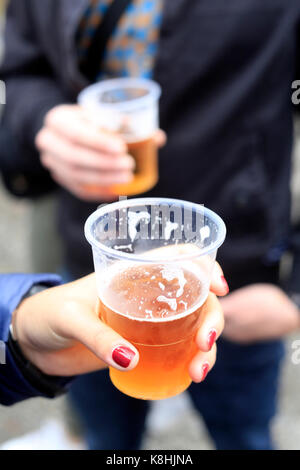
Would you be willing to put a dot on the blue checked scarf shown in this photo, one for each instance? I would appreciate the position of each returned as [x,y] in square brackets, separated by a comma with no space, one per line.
[132,48]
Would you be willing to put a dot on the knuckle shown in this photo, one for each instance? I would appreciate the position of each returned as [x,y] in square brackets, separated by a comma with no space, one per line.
[103,340]
[55,113]
[40,139]
[51,116]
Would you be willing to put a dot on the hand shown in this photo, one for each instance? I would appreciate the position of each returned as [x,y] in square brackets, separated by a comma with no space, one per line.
[259,312]
[60,332]
[80,156]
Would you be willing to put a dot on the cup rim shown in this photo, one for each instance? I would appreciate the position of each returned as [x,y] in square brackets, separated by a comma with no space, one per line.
[88,95]
[151,201]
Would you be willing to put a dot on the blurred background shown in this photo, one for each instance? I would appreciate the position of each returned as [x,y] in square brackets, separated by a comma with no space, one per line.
[22,251]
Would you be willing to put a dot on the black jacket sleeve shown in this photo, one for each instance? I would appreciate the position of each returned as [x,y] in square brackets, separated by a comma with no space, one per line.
[31,91]
[31,87]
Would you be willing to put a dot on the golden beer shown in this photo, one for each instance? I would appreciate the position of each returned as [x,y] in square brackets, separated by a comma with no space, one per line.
[157,308]
[145,155]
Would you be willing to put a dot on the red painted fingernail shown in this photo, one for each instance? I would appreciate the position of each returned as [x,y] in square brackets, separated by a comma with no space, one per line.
[225,284]
[123,356]
[211,338]
[205,369]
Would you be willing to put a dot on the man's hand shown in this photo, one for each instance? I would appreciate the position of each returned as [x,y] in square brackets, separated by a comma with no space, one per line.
[259,312]
[60,332]
[83,158]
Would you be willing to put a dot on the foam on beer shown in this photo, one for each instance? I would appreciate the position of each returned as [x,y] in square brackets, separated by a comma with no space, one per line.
[172,307]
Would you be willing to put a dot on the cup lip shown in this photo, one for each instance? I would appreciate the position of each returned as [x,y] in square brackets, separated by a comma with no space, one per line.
[89,94]
[151,201]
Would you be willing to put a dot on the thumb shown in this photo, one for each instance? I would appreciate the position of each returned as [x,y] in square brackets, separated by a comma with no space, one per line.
[100,339]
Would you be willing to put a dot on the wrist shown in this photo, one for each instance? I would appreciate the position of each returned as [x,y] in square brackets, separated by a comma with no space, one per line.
[27,354]
[43,384]
[23,325]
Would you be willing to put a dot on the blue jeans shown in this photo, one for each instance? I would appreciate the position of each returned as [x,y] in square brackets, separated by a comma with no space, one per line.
[237,402]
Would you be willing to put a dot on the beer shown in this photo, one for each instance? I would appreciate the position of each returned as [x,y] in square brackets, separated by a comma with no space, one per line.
[145,178]
[157,308]
[154,260]
[128,107]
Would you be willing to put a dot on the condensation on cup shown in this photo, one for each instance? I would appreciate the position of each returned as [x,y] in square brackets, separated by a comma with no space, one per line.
[130,108]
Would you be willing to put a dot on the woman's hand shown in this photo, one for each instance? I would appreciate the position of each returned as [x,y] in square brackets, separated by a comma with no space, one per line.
[60,332]
[259,312]
[210,329]
[80,156]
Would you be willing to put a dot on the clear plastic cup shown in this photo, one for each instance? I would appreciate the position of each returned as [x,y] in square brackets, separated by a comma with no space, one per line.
[154,260]
[130,108]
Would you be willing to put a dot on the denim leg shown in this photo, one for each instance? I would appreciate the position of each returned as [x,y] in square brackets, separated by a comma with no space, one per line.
[238,398]
[110,420]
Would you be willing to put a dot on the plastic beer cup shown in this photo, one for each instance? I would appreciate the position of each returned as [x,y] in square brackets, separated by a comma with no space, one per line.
[130,108]
[154,260]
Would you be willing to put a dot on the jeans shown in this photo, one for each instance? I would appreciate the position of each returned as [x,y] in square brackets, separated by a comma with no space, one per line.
[237,402]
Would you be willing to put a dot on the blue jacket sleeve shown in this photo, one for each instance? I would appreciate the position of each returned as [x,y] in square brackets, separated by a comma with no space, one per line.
[13,287]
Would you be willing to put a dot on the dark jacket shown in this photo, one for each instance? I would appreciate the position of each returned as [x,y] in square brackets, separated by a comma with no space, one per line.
[226,69]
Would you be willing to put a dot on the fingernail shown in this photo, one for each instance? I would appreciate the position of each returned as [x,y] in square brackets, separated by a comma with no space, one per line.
[205,369]
[123,356]
[211,338]
[224,282]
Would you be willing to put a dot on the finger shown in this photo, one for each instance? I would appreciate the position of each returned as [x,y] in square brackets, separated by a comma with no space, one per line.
[49,142]
[84,176]
[74,361]
[86,328]
[80,175]
[160,138]
[81,131]
[85,192]
[219,285]
[202,364]
[212,323]
[104,178]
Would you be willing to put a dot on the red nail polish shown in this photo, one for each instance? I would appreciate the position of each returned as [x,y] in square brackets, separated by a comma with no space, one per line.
[211,338]
[225,284]
[123,356]
[205,369]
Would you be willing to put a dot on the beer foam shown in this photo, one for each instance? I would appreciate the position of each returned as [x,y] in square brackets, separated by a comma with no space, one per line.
[171,302]
[133,220]
[169,228]
[171,272]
